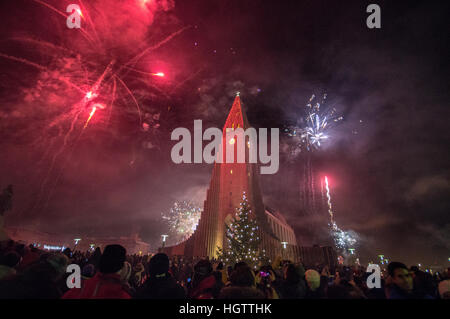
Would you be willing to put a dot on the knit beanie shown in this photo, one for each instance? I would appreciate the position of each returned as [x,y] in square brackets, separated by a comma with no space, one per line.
[112,259]
[203,268]
[159,265]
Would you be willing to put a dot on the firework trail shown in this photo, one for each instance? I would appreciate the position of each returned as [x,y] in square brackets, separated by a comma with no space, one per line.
[39,67]
[342,239]
[94,108]
[182,220]
[135,59]
[330,210]
[84,33]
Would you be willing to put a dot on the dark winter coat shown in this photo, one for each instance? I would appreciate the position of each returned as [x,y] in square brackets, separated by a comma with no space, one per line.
[292,290]
[37,282]
[235,292]
[160,288]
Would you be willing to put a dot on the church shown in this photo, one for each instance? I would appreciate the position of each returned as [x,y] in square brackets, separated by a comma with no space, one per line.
[228,182]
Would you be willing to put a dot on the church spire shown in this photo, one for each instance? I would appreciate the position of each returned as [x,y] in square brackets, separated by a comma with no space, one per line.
[237,117]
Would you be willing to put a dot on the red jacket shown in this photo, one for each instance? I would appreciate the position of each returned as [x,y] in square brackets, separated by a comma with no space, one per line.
[205,289]
[101,286]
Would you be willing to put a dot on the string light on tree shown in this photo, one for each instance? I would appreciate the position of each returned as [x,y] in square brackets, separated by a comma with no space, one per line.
[243,241]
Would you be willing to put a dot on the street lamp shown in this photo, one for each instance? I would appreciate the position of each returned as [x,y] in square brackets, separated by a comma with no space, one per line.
[284,244]
[352,251]
[76,240]
[164,240]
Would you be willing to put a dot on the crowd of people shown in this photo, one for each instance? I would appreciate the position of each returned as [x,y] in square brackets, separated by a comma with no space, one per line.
[29,273]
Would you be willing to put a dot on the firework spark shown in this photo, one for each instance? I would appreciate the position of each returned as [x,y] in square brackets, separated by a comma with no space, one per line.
[182,220]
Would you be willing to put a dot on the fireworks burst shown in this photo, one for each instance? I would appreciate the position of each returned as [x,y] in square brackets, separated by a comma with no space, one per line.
[82,78]
[182,220]
[315,126]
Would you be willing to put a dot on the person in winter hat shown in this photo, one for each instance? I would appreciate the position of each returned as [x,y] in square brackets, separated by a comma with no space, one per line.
[160,284]
[243,285]
[204,283]
[293,284]
[7,263]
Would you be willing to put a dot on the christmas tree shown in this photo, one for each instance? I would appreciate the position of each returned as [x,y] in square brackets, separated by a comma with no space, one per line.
[243,239]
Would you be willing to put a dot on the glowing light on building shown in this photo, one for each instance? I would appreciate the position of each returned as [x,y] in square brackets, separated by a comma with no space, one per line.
[50,247]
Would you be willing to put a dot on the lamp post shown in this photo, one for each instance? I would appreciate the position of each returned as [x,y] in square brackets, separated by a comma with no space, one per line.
[76,240]
[284,244]
[164,240]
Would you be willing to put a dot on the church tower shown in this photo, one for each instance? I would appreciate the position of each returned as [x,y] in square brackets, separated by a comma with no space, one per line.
[224,195]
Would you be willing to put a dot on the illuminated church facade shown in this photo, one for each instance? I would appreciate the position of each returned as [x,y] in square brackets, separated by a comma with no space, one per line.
[228,183]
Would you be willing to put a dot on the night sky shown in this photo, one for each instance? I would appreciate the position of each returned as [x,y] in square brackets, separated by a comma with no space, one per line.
[387,161]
